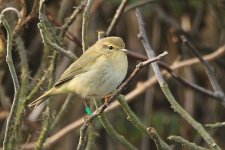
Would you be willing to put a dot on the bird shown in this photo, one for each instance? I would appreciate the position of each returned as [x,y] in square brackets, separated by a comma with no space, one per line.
[95,74]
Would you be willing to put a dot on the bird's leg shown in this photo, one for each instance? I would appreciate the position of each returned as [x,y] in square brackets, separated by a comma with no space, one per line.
[106,98]
[87,108]
[88,123]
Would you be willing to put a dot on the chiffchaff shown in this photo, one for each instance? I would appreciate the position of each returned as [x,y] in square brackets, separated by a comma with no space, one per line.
[96,73]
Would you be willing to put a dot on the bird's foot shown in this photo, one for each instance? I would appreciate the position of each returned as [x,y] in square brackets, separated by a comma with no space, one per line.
[106,98]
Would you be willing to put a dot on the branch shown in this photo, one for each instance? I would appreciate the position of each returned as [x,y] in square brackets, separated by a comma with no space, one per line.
[69,34]
[142,36]
[62,111]
[216,125]
[160,144]
[111,131]
[70,20]
[171,21]
[192,86]
[47,123]
[37,86]
[9,59]
[198,127]
[8,140]
[86,15]
[52,69]
[138,4]
[116,17]
[208,69]
[186,143]
[138,124]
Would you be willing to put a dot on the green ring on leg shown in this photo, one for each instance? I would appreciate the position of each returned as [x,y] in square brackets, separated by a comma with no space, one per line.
[88,110]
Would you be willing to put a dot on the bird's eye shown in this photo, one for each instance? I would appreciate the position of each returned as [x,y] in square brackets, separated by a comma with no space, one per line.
[110,47]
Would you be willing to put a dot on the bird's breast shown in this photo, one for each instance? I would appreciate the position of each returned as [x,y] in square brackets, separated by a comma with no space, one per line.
[102,78]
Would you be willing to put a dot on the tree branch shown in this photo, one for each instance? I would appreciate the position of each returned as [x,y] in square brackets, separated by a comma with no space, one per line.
[9,140]
[86,15]
[116,17]
[186,143]
[198,127]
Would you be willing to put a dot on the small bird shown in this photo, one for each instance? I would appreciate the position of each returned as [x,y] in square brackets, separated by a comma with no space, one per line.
[96,73]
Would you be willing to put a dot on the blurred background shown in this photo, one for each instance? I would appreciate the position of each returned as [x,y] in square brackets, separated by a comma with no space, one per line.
[201,21]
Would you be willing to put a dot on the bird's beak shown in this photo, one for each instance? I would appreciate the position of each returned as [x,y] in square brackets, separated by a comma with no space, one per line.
[124,50]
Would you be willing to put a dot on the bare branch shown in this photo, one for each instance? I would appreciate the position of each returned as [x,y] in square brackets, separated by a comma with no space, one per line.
[186,143]
[198,127]
[86,15]
[116,17]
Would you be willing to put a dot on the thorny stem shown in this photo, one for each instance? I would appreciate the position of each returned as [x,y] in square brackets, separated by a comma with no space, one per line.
[118,14]
[216,125]
[186,143]
[52,67]
[70,20]
[139,125]
[138,4]
[111,131]
[208,69]
[160,144]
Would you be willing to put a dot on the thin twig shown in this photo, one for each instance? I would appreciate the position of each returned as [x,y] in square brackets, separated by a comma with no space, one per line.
[69,34]
[9,59]
[137,123]
[83,138]
[23,11]
[167,19]
[62,111]
[198,127]
[193,86]
[86,15]
[116,17]
[186,143]
[44,131]
[70,20]
[11,9]
[52,69]
[147,47]
[37,86]
[216,125]
[24,63]
[46,125]
[171,21]
[111,131]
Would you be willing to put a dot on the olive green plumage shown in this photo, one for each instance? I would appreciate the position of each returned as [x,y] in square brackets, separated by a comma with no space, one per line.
[96,73]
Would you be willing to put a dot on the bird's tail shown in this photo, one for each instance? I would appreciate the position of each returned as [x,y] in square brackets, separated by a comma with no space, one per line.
[42,98]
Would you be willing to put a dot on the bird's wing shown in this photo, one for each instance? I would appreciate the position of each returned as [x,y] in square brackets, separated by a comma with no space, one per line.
[81,65]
